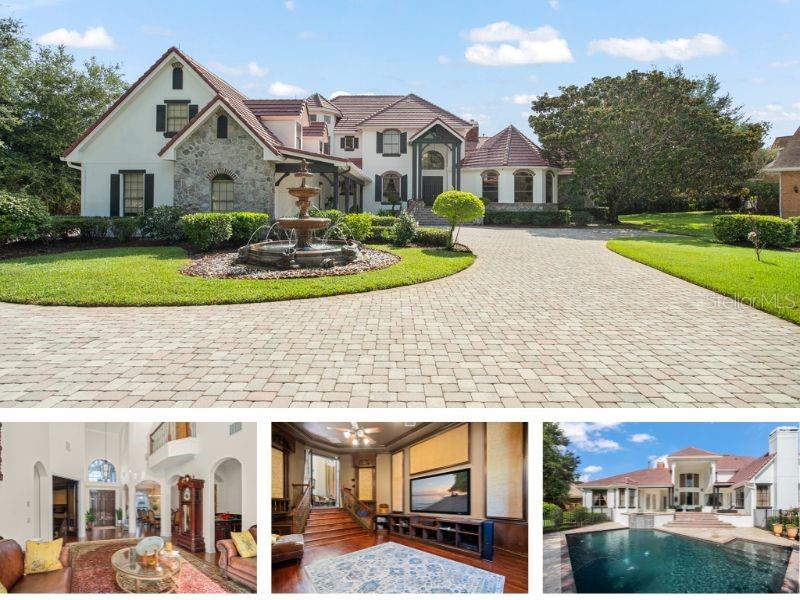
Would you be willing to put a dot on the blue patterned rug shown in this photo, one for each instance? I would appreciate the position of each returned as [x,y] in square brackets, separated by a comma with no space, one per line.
[396,569]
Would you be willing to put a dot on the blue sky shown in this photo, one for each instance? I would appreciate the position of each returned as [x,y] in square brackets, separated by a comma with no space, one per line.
[607,449]
[482,60]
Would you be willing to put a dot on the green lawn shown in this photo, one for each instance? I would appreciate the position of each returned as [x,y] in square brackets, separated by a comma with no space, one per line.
[772,285]
[695,224]
[136,276]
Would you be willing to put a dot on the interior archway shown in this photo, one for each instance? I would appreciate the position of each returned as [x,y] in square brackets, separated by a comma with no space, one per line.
[148,507]
[39,500]
[224,512]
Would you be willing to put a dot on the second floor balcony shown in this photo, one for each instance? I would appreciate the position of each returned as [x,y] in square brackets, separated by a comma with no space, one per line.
[172,444]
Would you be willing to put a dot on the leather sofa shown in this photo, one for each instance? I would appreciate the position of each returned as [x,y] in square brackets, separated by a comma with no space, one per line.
[234,567]
[12,562]
[288,547]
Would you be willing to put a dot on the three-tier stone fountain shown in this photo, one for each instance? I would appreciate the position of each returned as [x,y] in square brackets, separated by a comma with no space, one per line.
[301,248]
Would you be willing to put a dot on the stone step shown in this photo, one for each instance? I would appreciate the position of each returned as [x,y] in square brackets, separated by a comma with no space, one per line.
[699,525]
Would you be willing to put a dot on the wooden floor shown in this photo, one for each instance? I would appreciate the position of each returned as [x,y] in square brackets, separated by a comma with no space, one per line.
[290,577]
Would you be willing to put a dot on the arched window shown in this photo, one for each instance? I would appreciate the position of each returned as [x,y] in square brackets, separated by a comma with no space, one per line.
[177,78]
[222,127]
[523,186]
[391,188]
[102,471]
[549,190]
[432,160]
[222,193]
[391,141]
[490,179]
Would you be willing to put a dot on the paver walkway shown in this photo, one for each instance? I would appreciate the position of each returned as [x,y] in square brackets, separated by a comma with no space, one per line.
[543,318]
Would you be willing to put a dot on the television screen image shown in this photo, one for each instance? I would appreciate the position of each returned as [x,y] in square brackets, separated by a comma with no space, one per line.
[446,493]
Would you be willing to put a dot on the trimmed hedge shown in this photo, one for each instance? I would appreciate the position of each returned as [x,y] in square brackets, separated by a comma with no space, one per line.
[87,228]
[379,233]
[796,221]
[125,228]
[358,225]
[599,213]
[582,218]
[774,231]
[207,230]
[244,224]
[431,236]
[22,217]
[383,221]
[528,217]
[163,223]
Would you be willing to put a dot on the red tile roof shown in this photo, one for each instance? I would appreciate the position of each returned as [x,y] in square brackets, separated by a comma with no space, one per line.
[320,101]
[357,108]
[747,472]
[508,148]
[692,451]
[730,462]
[276,108]
[644,477]
[315,129]
[357,162]
[412,111]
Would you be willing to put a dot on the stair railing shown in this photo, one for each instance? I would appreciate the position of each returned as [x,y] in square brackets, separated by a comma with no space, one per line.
[301,506]
[362,513]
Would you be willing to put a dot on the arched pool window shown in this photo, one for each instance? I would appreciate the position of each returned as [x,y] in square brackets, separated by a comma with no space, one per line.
[489,189]
[523,186]
[433,160]
[102,471]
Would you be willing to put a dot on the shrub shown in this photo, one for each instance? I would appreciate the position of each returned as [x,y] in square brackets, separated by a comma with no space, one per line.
[529,217]
[358,225]
[796,221]
[88,228]
[207,230]
[379,233]
[431,236]
[22,217]
[404,229]
[457,207]
[334,215]
[773,231]
[163,223]
[382,220]
[582,218]
[599,213]
[124,228]
[244,225]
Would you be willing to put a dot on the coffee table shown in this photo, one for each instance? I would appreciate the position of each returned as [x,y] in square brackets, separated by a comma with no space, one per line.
[136,578]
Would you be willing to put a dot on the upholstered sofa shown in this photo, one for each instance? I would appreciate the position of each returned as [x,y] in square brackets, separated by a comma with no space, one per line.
[236,568]
[12,562]
[287,547]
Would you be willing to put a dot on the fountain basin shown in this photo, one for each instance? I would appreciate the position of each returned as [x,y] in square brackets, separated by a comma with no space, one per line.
[306,224]
[286,255]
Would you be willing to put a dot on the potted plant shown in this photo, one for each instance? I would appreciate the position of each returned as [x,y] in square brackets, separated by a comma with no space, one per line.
[90,518]
[792,522]
[776,525]
[118,514]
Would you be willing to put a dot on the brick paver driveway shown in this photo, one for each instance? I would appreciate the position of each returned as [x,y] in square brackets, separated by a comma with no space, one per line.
[543,318]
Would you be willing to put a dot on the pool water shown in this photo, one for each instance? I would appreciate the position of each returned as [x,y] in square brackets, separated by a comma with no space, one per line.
[648,561]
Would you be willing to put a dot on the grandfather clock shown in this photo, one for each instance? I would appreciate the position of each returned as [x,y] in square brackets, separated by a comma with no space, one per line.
[190,528]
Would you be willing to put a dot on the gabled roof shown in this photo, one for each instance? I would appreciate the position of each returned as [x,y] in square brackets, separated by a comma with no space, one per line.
[276,108]
[411,111]
[315,129]
[356,108]
[644,478]
[788,158]
[320,101]
[510,147]
[434,122]
[691,451]
[747,472]
[730,462]
[782,140]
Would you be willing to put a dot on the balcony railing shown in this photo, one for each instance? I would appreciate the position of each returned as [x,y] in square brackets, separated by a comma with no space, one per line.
[169,432]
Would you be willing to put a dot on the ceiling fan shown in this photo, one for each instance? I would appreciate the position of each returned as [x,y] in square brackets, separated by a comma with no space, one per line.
[356,435]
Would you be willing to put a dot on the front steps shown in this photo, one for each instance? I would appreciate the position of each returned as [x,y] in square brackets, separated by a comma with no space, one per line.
[425,217]
[697,520]
[330,525]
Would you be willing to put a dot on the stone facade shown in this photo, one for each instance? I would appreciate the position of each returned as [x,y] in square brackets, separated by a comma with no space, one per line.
[790,199]
[202,156]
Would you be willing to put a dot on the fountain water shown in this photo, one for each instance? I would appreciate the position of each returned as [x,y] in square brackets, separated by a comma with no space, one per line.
[302,248]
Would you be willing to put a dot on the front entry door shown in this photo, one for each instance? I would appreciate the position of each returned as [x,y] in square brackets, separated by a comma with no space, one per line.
[103,504]
[432,186]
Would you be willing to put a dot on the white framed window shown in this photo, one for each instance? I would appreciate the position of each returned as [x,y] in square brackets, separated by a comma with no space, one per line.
[350,142]
[222,199]
[763,496]
[391,188]
[599,498]
[132,194]
[490,181]
[523,186]
[391,142]
[101,471]
[177,116]
[550,182]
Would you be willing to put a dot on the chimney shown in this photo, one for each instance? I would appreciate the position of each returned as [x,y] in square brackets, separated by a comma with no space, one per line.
[472,134]
[660,465]
[783,444]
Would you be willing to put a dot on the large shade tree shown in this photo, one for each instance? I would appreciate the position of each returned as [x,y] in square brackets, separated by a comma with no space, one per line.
[559,463]
[647,138]
[46,101]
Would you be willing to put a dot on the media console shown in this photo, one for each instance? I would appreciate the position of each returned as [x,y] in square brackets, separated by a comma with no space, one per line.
[472,536]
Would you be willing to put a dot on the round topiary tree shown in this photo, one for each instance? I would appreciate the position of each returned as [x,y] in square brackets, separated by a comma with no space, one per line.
[457,207]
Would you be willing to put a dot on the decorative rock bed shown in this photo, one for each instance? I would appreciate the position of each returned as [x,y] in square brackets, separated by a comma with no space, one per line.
[226,265]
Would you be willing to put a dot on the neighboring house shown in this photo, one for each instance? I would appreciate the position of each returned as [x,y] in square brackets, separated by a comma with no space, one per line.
[182,136]
[786,167]
[739,489]
[575,498]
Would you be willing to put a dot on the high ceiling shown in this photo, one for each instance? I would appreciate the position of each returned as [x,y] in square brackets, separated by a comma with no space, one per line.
[389,436]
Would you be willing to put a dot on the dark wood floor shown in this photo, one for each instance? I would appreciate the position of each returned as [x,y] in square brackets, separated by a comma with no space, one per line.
[291,578]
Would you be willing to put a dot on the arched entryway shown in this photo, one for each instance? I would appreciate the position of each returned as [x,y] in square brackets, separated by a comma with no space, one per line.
[224,512]
[148,508]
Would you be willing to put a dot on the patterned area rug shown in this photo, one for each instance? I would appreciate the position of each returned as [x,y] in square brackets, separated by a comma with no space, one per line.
[92,572]
[393,568]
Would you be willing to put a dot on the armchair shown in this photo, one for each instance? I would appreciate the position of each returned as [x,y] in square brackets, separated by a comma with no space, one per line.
[236,568]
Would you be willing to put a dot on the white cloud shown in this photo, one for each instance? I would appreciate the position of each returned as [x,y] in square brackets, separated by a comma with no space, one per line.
[252,68]
[94,37]
[588,472]
[774,107]
[654,460]
[796,105]
[306,34]
[521,98]
[784,64]
[504,44]
[554,4]
[443,60]
[642,49]
[344,93]
[776,112]
[279,88]
[641,438]
[588,436]
[14,7]
[289,4]
[156,31]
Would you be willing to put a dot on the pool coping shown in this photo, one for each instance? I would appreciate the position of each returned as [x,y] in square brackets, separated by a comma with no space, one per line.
[791,584]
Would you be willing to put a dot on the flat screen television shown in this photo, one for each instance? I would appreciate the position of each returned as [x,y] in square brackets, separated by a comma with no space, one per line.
[445,493]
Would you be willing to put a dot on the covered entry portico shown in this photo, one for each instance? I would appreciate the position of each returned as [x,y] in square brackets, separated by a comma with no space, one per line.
[436,161]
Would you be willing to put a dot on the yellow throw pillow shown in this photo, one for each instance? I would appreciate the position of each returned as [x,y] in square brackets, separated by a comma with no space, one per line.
[3,589]
[275,537]
[41,557]
[245,544]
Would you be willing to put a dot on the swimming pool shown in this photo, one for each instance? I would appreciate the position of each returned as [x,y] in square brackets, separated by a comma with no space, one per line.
[649,561]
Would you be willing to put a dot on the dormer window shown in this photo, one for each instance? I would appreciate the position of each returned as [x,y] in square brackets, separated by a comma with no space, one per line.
[349,143]
[177,76]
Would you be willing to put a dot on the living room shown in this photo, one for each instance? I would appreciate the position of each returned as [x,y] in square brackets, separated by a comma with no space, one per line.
[128,507]
[399,507]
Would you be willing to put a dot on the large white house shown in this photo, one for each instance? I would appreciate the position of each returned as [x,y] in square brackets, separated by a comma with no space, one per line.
[182,136]
[739,490]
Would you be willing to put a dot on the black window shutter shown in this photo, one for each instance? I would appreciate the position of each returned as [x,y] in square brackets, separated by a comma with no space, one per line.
[355,143]
[177,78]
[114,207]
[149,190]
[192,110]
[403,142]
[379,137]
[404,187]
[341,142]
[378,188]
[161,117]
[222,126]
